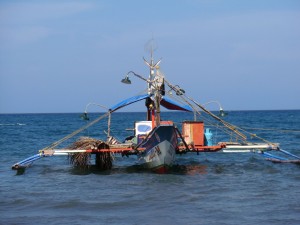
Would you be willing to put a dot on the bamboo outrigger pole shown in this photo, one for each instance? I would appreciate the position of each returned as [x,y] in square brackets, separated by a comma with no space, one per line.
[42,153]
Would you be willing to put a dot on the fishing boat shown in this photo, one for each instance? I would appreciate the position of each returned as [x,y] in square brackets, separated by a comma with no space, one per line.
[155,142]
[157,139]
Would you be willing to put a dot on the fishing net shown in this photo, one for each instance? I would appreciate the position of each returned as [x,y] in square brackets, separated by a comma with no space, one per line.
[104,159]
[83,159]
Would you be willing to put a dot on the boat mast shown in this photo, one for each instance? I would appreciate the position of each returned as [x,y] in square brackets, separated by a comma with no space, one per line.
[153,86]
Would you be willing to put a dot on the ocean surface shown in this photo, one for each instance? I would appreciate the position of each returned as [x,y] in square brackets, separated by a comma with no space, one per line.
[208,188]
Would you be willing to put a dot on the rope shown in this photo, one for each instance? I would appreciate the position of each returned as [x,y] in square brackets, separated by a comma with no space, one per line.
[237,130]
[54,144]
[226,124]
[271,129]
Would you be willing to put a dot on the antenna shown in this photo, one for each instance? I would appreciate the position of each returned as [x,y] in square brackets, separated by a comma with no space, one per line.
[150,47]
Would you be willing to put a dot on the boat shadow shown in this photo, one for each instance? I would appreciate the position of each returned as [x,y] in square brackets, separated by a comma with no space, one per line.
[175,170]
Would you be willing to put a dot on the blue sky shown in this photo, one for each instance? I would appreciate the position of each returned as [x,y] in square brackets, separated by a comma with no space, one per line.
[58,56]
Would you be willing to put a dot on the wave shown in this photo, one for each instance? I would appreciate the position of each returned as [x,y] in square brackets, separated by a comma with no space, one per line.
[12,124]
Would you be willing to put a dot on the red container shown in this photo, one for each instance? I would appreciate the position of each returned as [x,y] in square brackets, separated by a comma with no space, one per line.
[193,132]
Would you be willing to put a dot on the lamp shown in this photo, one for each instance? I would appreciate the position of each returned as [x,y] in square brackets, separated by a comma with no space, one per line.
[126,80]
[84,116]
[177,89]
[180,91]
[221,111]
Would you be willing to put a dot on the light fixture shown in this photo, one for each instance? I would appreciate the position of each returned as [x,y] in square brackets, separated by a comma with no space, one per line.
[84,116]
[222,113]
[177,89]
[126,80]
[180,91]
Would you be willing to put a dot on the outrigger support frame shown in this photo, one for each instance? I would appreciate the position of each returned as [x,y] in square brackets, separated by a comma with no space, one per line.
[279,159]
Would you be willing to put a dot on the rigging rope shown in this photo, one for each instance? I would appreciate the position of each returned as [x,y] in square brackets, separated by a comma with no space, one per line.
[226,124]
[54,144]
[271,129]
[237,130]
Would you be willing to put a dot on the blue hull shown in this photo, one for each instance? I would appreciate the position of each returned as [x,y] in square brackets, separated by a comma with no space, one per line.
[160,148]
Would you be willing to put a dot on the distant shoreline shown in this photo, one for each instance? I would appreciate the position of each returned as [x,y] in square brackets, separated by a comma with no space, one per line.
[242,110]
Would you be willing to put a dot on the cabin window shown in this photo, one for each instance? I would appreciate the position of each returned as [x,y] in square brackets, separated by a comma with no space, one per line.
[143,128]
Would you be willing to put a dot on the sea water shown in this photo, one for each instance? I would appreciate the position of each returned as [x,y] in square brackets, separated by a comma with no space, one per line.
[209,188]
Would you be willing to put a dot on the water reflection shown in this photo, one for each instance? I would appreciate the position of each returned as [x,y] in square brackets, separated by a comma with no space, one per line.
[176,169]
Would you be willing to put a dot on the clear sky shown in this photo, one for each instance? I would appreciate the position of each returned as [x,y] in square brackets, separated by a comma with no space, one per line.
[57,56]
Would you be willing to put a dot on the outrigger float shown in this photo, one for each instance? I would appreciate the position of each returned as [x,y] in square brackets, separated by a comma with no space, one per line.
[156,142]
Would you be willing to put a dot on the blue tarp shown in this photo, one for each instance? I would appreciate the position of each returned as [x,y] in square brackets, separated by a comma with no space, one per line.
[165,102]
[129,101]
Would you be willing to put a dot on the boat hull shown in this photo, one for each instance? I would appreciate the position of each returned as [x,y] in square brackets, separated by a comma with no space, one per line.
[160,149]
